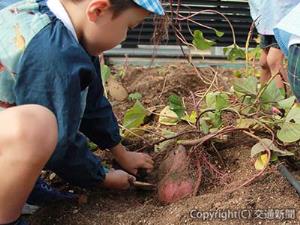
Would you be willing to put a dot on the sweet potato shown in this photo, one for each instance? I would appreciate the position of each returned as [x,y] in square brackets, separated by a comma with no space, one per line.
[177,158]
[176,182]
[171,191]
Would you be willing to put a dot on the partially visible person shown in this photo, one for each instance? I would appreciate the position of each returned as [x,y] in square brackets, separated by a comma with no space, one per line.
[266,14]
[287,34]
[21,161]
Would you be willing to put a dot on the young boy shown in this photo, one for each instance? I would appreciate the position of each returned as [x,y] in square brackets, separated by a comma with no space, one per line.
[52,97]
[266,14]
[287,34]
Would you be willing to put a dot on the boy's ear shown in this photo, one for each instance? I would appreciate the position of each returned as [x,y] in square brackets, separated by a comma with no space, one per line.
[96,7]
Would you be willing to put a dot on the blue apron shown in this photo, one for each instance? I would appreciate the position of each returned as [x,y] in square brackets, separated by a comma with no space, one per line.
[288,26]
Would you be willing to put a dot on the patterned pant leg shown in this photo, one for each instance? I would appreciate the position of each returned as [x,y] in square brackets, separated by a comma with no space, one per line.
[294,69]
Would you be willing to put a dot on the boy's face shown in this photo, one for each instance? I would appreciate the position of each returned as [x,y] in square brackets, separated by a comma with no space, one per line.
[103,31]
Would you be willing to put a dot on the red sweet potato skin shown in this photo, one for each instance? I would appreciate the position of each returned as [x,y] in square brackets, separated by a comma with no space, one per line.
[171,191]
[176,159]
[175,182]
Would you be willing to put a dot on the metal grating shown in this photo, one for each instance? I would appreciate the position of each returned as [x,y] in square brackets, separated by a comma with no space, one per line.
[237,11]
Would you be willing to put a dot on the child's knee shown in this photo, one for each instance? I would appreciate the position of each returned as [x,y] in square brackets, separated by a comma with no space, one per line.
[45,125]
[29,125]
[274,64]
[275,60]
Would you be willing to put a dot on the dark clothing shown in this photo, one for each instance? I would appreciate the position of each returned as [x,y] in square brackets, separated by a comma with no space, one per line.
[268,41]
[47,66]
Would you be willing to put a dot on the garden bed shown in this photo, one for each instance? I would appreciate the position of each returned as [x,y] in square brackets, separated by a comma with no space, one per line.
[228,166]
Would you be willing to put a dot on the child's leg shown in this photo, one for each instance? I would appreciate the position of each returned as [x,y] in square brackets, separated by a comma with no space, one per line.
[275,63]
[265,70]
[28,136]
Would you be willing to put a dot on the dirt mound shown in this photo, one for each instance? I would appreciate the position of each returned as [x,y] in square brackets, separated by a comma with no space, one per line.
[157,84]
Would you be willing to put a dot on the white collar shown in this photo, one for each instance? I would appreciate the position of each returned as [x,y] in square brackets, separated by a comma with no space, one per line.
[59,11]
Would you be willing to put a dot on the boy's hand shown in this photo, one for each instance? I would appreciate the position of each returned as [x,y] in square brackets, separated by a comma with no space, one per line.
[132,161]
[118,179]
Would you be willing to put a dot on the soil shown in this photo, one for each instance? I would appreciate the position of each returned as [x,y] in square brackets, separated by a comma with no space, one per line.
[132,207]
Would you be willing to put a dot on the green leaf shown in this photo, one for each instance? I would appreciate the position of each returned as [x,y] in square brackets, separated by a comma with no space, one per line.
[210,99]
[176,105]
[258,148]
[246,86]
[168,117]
[219,33]
[271,94]
[267,143]
[255,53]
[217,100]
[215,119]
[246,123]
[213,129]
[204,126]
[289,132]
[222,101]
[200,42]
[234,52]
[294,114]
[135,96]
[283,153]
[105,73]
[266,107]
[165,144]
[287,104]
[290,129]
[274,157]
[190,118]
[92,146]
[247,102]
[168,133]
[135,116]
[238,73]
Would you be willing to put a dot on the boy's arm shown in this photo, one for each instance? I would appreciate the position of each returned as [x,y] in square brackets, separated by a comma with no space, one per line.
[51,76]
[99,123]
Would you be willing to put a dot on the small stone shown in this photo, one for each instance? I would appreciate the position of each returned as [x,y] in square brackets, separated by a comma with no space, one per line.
[52,176]
[147,101]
